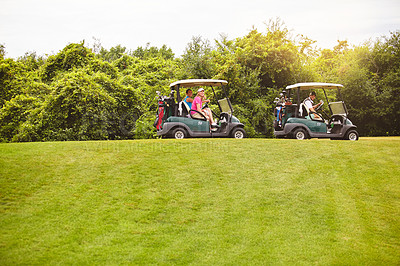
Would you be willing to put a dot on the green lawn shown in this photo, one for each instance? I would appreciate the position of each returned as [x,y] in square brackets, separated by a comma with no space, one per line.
[201,201]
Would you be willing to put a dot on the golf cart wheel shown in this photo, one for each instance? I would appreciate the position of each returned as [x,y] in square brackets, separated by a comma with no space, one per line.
[300,134]
[238,133]
[352,135]
[179,133]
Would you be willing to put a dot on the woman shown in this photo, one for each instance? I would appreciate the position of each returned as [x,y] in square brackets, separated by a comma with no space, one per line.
[196,105]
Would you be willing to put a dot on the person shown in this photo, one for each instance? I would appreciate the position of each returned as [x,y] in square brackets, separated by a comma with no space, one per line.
[188,99]
[197,105]
[208,110]
[309,102]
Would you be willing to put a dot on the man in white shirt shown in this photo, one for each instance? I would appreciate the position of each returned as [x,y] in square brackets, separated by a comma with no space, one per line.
[309,102]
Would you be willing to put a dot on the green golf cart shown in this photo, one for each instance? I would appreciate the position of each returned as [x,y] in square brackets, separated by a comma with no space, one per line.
[176,120]
[293,119]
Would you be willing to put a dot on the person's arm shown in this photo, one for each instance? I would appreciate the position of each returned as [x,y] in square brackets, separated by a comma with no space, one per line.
[318,104]
[198,106]
[189,100]
[309,105]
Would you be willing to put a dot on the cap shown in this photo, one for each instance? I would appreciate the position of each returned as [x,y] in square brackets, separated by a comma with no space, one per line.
[199,90]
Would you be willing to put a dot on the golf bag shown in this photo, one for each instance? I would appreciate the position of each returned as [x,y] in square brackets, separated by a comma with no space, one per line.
[160,114]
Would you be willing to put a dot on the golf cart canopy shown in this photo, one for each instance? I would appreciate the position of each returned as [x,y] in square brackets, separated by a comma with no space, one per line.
[198,82]
[336,108]
[314,85]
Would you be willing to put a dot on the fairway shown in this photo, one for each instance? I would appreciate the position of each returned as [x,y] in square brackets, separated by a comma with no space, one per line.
[201,201]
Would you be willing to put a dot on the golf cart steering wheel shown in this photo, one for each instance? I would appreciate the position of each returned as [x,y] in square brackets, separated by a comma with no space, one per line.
[322,103]
[205,106]
[325,115]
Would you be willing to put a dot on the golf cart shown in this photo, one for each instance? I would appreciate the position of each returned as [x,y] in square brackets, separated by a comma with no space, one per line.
[295,120]
[175,119]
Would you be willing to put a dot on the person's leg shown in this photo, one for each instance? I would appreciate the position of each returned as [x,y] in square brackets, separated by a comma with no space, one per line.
[318,118]
[199,116]
[315,116]
[209,113]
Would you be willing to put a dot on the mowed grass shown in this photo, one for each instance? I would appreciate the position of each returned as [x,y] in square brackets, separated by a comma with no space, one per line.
[201,201]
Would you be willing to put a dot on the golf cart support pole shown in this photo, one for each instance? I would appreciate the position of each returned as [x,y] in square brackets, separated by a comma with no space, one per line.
[298,102]
[327,100]
[226,96]
[341,98]
[215,97]
[178,96]
[340,94]
[326,97]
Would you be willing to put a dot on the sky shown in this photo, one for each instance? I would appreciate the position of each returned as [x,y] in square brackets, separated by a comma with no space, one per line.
[47,26]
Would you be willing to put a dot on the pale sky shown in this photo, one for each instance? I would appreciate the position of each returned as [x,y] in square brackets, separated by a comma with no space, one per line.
[47,26]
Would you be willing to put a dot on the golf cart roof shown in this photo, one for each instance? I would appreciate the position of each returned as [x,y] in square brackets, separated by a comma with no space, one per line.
[314,85]
[198,82]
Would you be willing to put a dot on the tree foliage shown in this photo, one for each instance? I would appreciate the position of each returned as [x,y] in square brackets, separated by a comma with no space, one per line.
[83,94]
[370,74]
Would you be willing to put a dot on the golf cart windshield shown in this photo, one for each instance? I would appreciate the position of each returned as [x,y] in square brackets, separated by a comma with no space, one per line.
[338,108]
[225,106]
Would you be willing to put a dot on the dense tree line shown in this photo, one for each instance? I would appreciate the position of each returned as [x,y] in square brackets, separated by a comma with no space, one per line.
[93,93]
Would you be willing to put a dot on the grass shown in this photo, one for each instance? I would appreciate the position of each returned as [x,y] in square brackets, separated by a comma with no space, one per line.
[201,201]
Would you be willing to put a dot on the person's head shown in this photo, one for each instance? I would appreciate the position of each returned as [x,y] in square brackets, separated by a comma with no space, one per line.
[313,95]
[189,92]
[200,92]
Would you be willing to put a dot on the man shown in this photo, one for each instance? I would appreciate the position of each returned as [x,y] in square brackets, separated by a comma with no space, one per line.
[189,98]
[309,102]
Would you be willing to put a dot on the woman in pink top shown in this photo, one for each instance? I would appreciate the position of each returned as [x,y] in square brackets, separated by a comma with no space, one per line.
[196,105]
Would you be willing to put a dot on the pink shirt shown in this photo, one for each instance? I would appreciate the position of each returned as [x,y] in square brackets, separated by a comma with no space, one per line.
[197,100]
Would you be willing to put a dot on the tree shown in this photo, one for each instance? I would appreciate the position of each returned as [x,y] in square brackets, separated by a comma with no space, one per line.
[2,51]
[152,52]
[80,94]
[32,61]
[14,113]
[197,59]
[385,72]
[256,67]
[274,54]
[113,54]
[370,75]
[11,79]
[77,109]
[72,56]
[358,92]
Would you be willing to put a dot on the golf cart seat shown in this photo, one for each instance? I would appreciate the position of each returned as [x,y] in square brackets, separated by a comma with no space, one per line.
[304,112]
[203,118]
[183,109]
